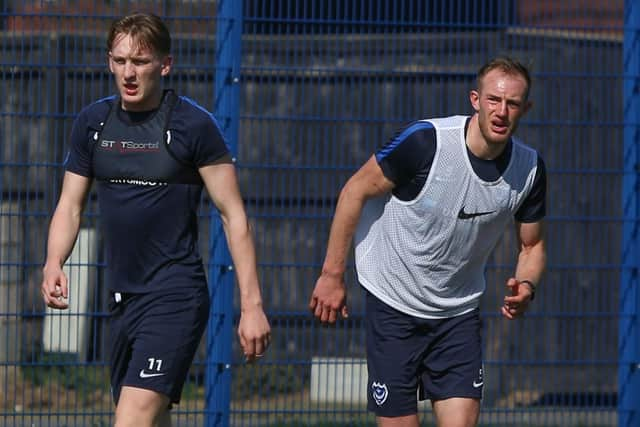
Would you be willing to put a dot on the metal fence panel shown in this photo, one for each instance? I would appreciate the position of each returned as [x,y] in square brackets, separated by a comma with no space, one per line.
[325,83]
[322,84]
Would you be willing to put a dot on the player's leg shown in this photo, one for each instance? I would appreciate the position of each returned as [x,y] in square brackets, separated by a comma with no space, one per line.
[138,407]
[155,337]
[407,421]
[456,412]
[394,356]
[453,377]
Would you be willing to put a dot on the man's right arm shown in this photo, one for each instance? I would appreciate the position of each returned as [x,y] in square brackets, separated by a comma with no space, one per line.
[329,296]
[63,232]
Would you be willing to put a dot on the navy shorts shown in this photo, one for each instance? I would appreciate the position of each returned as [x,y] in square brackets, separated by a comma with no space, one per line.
[411,358]
[154,338]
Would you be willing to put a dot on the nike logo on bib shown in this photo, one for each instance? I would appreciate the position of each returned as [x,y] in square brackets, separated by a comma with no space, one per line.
[467,215]
[144,374]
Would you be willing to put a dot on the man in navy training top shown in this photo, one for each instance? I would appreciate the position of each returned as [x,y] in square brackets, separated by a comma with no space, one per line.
[425,212]
[151,152]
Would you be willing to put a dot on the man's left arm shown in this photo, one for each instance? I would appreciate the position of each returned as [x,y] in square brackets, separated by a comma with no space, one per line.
[222,186]
[531,265]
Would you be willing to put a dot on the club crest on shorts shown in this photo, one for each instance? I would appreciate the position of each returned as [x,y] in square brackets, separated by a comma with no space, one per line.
[379,392]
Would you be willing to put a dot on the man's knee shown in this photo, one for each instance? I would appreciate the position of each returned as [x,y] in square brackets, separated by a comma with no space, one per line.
[142,408]
[457,412]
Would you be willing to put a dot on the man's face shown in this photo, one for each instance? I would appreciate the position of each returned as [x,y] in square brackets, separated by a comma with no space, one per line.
[138,73]
[500,102]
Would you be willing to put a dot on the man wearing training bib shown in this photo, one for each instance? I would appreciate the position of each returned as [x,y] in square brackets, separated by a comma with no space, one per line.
[425,212]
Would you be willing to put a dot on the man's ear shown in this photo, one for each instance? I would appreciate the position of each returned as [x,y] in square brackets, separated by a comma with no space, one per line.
[110,62]
[527,106]
[167,62]
[474,98]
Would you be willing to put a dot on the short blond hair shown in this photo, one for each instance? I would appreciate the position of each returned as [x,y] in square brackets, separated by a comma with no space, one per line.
[507,65]
[146,29]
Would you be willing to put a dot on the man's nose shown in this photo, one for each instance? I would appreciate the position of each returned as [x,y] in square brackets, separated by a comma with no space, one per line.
[502,108]
[129,70]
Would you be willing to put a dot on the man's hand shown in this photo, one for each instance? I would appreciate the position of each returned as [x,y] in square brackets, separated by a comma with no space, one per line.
[516,304]
[254,333]
[55,290]
[329,298]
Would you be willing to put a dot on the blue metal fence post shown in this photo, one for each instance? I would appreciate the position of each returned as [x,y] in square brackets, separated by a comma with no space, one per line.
[221,275]
[629,330]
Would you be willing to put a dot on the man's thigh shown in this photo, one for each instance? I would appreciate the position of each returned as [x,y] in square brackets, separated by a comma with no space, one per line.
[452,366]
[140,407]
[394,353]
[154,340]
[410,358]
[457,412]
